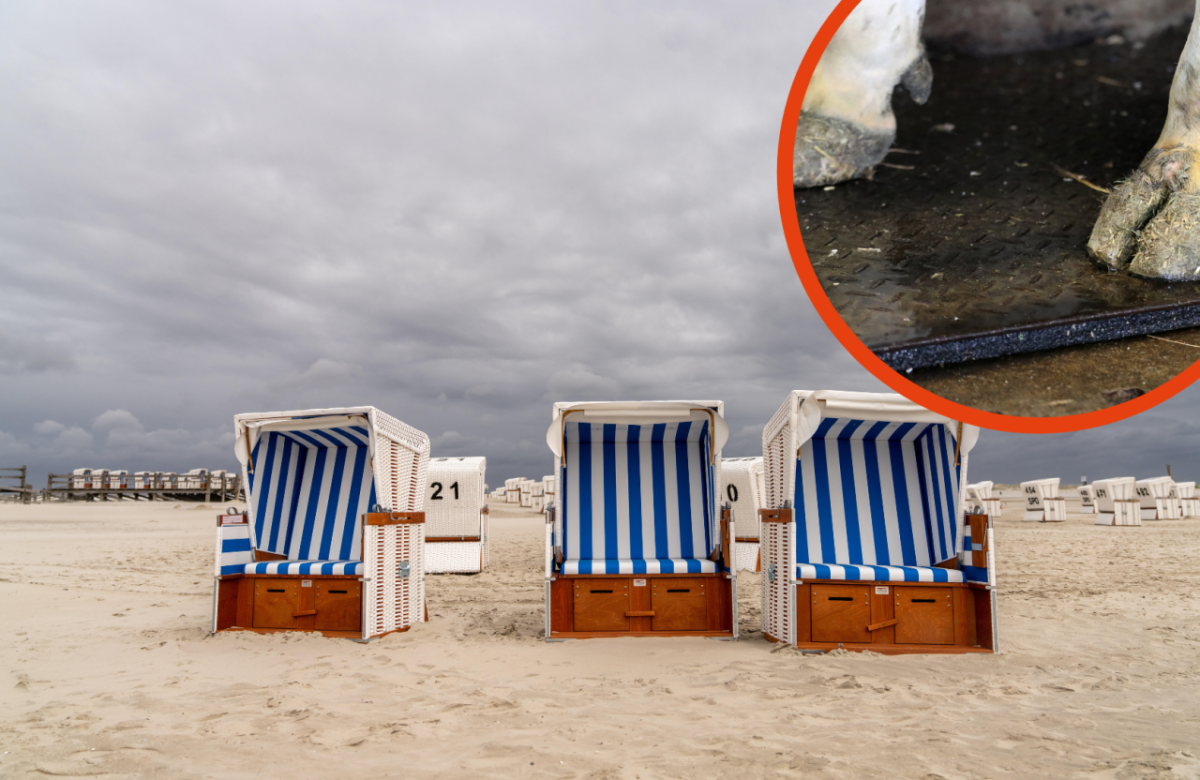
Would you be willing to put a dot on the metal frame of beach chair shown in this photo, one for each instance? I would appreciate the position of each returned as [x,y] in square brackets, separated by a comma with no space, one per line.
[333,539]
[865,544]
[456,516]
[636,543]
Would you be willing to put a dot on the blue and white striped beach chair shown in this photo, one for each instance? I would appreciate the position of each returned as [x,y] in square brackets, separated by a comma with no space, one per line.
[636,543]
[311,552]
[863,529]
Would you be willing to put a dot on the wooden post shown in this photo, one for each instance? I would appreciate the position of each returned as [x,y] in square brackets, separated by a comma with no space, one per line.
[208,488]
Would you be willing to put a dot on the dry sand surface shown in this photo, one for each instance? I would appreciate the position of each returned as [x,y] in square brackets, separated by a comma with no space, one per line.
[109,671]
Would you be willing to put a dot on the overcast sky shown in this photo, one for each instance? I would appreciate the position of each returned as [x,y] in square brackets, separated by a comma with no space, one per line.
[456,212]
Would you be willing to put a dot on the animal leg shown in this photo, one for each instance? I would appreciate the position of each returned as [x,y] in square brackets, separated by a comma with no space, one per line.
[846,124]
[1150,223]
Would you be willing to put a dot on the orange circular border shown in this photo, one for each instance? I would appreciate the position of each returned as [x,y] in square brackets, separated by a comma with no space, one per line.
[856,347]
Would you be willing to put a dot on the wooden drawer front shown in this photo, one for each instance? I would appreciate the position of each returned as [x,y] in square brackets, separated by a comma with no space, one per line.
[601,604]
[841,613]
[339,605]
[276,603]
[924,616]
[679,603]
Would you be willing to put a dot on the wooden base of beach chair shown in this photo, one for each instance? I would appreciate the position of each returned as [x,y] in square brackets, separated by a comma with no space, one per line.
[267,603]
[604,605]
[893,617]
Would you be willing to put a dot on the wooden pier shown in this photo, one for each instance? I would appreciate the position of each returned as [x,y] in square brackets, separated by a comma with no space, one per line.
[13,485]
[159,486]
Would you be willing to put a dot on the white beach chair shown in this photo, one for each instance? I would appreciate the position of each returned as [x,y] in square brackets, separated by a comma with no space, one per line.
[864,541]
[512,490]
[980,495]
[637,544]
[456,516]
[1043,504]
[1158,499]
[1087,500]
[1189,503]
[743,489]
[334,537]
[1116,501]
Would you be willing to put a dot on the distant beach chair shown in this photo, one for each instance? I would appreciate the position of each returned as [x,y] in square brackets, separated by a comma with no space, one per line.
[456,516]
[1158,499]
[1043,504]
[512,490]
[743,490]
[865,544]
[1116,501]
[312,553]
[1087,500]
[980,494]
[637,544]
[1189,503]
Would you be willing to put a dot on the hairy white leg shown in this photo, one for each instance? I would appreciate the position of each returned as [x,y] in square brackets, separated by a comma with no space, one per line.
[1151,222]
[846,124]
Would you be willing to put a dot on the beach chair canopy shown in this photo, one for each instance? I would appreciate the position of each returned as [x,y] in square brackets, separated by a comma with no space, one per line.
[311,475]
[874,486]
[637,485]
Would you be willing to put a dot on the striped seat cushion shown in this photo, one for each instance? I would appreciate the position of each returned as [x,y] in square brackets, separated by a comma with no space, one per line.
[305,567]
[845,571]
[642,566]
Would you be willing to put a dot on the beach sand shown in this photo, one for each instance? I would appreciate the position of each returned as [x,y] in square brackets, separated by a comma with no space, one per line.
[109,671]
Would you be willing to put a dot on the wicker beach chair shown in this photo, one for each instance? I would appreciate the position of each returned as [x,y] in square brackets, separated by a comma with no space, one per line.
[1159,499]
[333,540]
[864,542]
[1043,504]
[742,480]
[636,543]
[456,516]
[1116,501]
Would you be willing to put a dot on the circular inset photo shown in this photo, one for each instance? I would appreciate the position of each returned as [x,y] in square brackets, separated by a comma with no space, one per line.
[995,204]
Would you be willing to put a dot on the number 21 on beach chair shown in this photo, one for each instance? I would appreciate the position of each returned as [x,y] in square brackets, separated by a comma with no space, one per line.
[333,540]
[865,543]
[456,516]
[636,544]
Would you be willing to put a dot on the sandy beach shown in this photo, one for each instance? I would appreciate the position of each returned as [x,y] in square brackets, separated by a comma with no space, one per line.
[110,671]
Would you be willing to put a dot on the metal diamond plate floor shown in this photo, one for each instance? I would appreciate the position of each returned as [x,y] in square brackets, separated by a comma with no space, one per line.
[972,246]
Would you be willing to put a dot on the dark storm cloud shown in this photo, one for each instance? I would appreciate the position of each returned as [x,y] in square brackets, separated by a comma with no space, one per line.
[459,213]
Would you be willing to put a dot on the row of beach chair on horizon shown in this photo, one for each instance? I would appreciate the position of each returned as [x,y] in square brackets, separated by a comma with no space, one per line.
[1120,501]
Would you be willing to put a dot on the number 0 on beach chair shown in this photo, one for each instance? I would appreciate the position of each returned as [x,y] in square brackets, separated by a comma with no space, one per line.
[636,544]
[333,540]
[456,517]
[864,542]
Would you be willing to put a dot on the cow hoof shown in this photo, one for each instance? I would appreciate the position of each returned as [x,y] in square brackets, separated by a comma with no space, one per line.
[829,151]
[1150,224]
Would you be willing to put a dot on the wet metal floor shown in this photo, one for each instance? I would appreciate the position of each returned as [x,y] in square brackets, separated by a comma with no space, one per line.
[972,246]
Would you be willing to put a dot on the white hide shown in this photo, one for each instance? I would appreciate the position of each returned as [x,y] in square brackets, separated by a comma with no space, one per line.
[863,64]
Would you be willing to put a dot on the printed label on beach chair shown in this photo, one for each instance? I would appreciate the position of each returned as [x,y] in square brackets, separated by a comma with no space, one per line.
[881,590]
[306,583]
[639,583]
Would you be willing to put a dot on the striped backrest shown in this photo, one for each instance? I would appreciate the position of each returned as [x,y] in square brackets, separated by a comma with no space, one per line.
[637,491]
[233,548]
[308,491]
[877,493]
